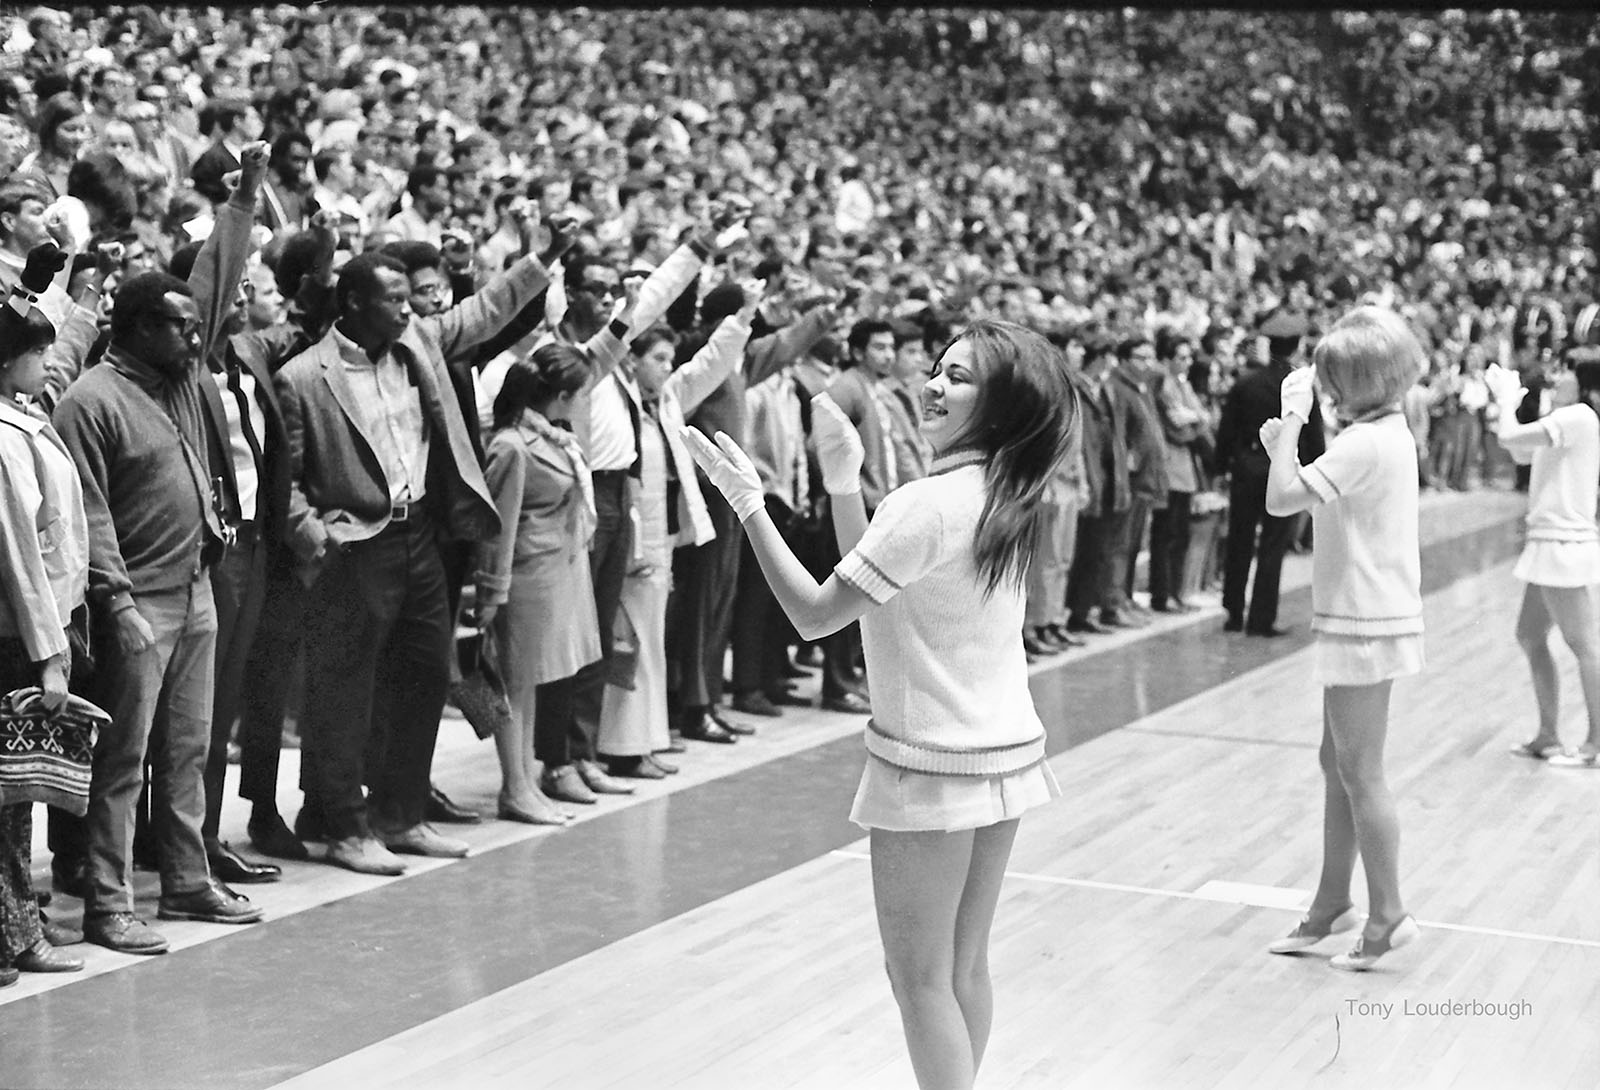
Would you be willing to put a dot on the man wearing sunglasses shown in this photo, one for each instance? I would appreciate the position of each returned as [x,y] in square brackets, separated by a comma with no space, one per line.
[135,426]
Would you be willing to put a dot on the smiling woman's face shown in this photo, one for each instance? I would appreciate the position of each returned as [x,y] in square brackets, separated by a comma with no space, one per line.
[950,397]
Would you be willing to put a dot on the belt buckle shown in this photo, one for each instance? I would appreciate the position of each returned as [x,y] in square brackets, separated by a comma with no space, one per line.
[400,512]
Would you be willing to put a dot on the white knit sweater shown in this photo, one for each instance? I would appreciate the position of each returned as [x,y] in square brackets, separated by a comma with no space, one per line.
[949,676]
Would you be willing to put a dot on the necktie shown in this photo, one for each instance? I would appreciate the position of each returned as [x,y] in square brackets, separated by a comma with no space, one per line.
[250,438]
[633,420]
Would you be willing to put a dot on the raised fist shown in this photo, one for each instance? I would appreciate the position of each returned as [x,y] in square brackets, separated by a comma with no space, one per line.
[44,261]
[255,155]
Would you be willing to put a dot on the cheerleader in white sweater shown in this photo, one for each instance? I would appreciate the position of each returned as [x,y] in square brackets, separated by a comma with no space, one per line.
[1366,595]
[1561,561]
[956,751]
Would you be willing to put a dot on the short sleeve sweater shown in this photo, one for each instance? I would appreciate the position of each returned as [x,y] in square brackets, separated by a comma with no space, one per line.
[1561,486]
[1366,567]
[949,675]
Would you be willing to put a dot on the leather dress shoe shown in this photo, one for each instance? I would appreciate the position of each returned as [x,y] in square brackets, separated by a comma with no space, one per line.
[8,976]
[755,703]
[788,699]
[59,934]
[703,728]
[730,725]
[1064,638]
[211,903]
[565,784]
[1233,624]
[364,855]
[1122,620]
[229,866]
[599,782]
[421,839]
[633,768]
[440,808]
[41,957]
[1270,632]
[125,933]
[1036,647]
[1087,627]
[666,769]
[271,835]
[847,704]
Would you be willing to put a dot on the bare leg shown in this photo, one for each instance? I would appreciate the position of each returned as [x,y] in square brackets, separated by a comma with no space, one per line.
[1575,614]
[510,744]
[1533,633]
[991,849]
[519,772]
[918,880]
[1338,834]
[1358,717]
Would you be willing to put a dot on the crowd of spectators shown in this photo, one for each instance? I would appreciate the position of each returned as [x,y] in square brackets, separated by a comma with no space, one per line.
[732,211]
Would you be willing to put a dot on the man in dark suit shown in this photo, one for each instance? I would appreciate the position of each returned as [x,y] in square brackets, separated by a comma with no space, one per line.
[250,466]
[1134,381]
[1254,400]
[1105,457]
[382,469]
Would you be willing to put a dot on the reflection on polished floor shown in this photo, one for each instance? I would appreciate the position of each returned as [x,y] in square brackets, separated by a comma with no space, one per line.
[716,929]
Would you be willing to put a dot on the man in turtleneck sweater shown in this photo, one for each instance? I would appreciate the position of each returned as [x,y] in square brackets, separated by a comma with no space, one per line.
[135,427]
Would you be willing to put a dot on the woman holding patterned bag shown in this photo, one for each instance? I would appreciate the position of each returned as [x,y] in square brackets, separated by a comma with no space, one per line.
[44,566]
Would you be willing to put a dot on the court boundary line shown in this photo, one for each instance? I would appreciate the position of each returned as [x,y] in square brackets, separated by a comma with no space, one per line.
[1183,895]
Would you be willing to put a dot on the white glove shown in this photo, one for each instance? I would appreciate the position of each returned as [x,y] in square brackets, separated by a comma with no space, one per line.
[1296,393]
[730,469]
[839,449]
[1505,384]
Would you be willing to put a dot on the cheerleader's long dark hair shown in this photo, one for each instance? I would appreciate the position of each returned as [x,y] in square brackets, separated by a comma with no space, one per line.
[1026,420]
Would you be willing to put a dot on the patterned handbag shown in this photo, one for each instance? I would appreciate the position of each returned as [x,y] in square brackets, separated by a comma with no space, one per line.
[479,692]
[47,757]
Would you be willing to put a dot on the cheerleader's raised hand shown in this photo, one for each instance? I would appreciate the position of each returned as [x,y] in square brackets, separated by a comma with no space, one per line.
[730,469]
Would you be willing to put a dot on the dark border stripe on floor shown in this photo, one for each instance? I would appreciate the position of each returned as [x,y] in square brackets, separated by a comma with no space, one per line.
[280,998]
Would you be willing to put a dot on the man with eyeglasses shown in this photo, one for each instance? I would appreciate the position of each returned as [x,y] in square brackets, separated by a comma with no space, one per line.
[135,426]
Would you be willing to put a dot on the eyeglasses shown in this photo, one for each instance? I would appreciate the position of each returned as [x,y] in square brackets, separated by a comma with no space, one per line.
[186,327]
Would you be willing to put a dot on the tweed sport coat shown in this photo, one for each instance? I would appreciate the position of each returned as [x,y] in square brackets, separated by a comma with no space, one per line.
[338,491]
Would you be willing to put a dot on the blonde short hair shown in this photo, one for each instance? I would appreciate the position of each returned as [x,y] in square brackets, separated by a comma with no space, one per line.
[1368,360]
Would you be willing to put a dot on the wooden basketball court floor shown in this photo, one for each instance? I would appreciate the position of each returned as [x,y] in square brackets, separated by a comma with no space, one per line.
[716,929]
